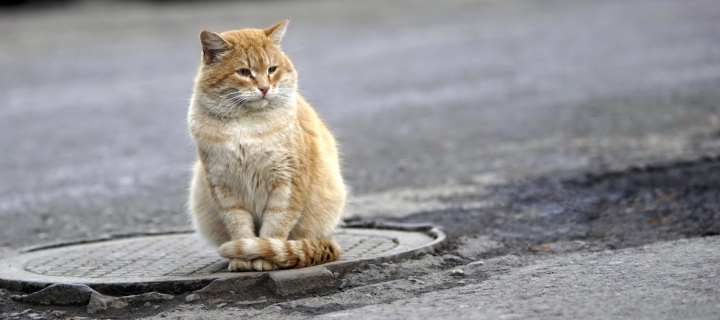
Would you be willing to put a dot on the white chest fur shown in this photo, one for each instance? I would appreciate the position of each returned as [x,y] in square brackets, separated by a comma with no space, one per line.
[247,165]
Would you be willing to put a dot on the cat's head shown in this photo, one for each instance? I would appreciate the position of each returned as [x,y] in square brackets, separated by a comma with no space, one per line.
[245,69]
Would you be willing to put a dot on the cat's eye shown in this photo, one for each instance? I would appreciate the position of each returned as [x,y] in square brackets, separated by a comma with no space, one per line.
[245,72]
[271,69]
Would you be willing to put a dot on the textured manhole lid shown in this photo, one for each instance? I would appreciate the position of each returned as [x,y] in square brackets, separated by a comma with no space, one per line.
[181,262]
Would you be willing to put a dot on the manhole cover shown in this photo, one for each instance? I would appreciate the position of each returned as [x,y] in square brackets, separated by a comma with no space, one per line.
[181,262]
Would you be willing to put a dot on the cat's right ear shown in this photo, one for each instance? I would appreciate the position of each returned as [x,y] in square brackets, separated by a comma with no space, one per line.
[212,46]
[277,31]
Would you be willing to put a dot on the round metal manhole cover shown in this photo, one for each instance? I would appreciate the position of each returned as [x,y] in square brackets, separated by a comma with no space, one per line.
[181,258]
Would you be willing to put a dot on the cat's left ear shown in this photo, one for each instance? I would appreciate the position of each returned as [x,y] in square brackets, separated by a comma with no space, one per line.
[277,31]
[213,45]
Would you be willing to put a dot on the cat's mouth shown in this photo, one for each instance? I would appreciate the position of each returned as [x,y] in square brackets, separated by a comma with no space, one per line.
[257,104]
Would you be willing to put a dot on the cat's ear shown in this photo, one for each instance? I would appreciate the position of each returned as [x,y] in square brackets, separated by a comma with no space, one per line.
[212,45]
[277,31]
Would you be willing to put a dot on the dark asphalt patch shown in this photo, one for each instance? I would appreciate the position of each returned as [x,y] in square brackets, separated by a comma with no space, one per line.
[609,210]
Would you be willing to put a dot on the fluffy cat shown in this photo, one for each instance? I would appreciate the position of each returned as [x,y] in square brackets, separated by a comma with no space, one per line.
[266,187]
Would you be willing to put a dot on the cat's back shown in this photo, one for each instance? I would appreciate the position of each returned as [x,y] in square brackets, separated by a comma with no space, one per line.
[313,127]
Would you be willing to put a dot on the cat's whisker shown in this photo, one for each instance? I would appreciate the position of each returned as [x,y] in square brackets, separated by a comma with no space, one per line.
[222,101]
[228,103]
[294,49]
[305,93]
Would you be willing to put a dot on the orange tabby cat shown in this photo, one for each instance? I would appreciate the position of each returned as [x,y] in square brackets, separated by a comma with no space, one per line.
[267,187]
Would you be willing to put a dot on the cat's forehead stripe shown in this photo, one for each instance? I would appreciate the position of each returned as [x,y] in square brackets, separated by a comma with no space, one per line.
[254,57]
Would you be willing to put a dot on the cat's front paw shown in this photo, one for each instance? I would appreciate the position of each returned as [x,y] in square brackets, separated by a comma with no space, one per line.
[263,265]
[240,265]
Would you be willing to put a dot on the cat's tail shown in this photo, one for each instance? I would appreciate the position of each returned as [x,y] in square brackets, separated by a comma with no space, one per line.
[284,253]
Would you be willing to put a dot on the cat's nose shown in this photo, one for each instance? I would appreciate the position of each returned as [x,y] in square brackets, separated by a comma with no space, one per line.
[264,90]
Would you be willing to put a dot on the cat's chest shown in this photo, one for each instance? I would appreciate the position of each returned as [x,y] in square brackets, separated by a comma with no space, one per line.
[245,161]
[249,171]
[242,155]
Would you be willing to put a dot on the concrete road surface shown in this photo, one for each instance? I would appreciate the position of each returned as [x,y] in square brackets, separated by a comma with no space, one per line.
[569,145]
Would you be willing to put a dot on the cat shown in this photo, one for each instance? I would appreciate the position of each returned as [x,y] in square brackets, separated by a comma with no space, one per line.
[267,187]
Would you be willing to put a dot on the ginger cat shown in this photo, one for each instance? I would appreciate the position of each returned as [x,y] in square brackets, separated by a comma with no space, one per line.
[267,187]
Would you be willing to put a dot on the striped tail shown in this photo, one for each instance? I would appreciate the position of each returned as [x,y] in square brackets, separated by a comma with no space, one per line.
[284,253]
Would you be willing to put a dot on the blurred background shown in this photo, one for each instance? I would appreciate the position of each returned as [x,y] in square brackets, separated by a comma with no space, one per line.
[420,94]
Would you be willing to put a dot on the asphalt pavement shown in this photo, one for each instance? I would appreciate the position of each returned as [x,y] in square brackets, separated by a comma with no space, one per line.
[556,135]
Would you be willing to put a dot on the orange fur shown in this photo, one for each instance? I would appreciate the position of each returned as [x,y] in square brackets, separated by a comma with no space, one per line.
[268,168]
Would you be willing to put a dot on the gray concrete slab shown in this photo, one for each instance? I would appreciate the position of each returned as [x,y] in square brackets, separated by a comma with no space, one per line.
[666,280]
